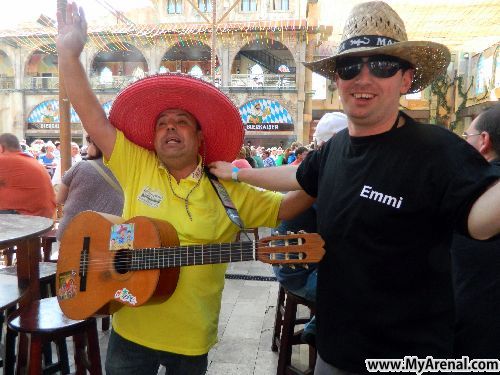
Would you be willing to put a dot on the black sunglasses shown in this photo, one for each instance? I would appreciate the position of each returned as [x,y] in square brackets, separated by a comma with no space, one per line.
[381,66]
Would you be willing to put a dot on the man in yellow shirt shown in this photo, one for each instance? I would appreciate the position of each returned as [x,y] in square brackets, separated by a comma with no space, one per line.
[161,133]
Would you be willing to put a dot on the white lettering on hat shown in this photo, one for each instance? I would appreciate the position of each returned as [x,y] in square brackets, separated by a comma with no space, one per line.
[384,42]
[150,197]
[368,193]
[358,42]
[366,41]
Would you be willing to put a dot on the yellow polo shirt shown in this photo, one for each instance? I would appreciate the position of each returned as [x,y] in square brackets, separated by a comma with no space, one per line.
[187,322]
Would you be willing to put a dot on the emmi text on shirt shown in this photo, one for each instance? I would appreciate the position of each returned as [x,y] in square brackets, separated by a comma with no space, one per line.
[368,193]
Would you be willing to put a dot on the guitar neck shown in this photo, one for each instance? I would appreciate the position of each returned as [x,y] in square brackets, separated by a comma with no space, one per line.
[191,255]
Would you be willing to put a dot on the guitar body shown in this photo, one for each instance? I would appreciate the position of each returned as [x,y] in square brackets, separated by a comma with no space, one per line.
[93,282]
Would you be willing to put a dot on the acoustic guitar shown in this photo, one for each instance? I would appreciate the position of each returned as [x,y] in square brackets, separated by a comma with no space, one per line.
[106,262]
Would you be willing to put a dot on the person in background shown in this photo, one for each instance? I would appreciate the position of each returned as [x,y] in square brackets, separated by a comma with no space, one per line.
[25,186]
[298,280]
[88,185]
[300,154]
[329,125]
[48,158]
[75,158]
[249,158]
[258,160]
[240,161]
[267,159]
[476,264]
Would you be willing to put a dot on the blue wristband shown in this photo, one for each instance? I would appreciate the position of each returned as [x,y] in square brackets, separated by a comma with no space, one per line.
[234,174]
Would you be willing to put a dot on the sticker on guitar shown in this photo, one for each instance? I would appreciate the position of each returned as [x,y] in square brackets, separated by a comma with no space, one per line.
[122,236]
[125,296]
[67,287]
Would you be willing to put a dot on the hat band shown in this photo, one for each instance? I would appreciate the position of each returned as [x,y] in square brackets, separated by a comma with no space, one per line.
[366,41]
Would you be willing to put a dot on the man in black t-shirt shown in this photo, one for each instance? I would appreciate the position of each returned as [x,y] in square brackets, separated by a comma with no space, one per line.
[390,192]
[476,264]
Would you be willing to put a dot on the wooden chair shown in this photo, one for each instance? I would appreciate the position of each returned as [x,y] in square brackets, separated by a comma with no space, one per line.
[41,321]
[285,335]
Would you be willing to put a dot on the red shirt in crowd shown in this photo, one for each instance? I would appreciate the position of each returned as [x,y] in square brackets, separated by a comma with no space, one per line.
[25,186]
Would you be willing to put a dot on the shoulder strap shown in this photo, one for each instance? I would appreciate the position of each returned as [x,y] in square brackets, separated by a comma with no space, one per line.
[224,197]
[104,175]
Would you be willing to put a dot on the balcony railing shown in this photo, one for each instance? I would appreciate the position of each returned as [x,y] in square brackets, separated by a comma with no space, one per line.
[116,83]
[41,83]
[269,81]
[7,83]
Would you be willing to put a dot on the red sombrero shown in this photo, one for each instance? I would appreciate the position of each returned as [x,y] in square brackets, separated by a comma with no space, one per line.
[137,107]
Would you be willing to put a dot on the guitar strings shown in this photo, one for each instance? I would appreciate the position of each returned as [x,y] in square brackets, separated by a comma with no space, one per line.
[171,256]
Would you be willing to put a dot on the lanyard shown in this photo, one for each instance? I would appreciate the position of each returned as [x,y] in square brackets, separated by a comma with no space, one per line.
[224,197]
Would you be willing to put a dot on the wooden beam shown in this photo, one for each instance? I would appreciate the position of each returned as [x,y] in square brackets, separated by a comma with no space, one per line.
[199,11]
[64,111]
[227,11]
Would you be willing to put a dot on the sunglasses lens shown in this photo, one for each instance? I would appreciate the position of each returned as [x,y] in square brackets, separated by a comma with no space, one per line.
[384,68]
[349,70]
[380,66]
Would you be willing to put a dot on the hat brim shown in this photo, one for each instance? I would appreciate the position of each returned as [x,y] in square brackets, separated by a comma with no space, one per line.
[429,59]
[136,109]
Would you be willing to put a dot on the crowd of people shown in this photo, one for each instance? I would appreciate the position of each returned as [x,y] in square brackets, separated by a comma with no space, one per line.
[394,200]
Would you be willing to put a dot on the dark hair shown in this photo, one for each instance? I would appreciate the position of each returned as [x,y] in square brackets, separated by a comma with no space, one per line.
[10,142]
[98,150]
[300,150]
[489,122]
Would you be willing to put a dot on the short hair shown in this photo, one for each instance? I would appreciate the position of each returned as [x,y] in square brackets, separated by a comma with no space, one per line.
[489,122]
[301,150]
[10,142]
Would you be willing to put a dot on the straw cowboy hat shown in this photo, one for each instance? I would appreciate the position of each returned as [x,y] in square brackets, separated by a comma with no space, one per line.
[374,28]
[136,109]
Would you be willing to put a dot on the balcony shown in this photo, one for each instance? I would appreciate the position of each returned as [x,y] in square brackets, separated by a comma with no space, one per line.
[7,83]
[41,83]
[280,82]
[113,84]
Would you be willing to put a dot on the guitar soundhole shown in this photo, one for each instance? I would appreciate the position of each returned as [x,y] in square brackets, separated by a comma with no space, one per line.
[122,261]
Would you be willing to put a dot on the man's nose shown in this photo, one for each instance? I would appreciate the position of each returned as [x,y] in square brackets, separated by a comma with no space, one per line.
[364,73]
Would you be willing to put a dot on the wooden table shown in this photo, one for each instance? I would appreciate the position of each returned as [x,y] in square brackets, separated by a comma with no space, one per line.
[23,231]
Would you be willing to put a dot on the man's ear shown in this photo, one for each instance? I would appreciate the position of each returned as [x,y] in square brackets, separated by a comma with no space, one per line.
[485,146]
[200,137]
[407,80]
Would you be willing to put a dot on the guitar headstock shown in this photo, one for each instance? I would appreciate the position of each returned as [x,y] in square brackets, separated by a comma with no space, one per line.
[289,249]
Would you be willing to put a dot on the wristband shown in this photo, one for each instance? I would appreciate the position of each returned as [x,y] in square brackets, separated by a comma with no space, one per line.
[234,174]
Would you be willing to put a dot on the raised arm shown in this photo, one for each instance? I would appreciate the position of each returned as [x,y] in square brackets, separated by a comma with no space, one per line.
[484,217]
[71,38]
[274,178]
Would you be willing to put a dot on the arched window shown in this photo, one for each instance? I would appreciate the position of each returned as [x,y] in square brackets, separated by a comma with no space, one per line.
[138,73]
[257,75]
[106,76]
[196,71]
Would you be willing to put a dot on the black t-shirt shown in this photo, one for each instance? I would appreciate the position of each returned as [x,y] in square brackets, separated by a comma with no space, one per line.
[476,279]
[387,205]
